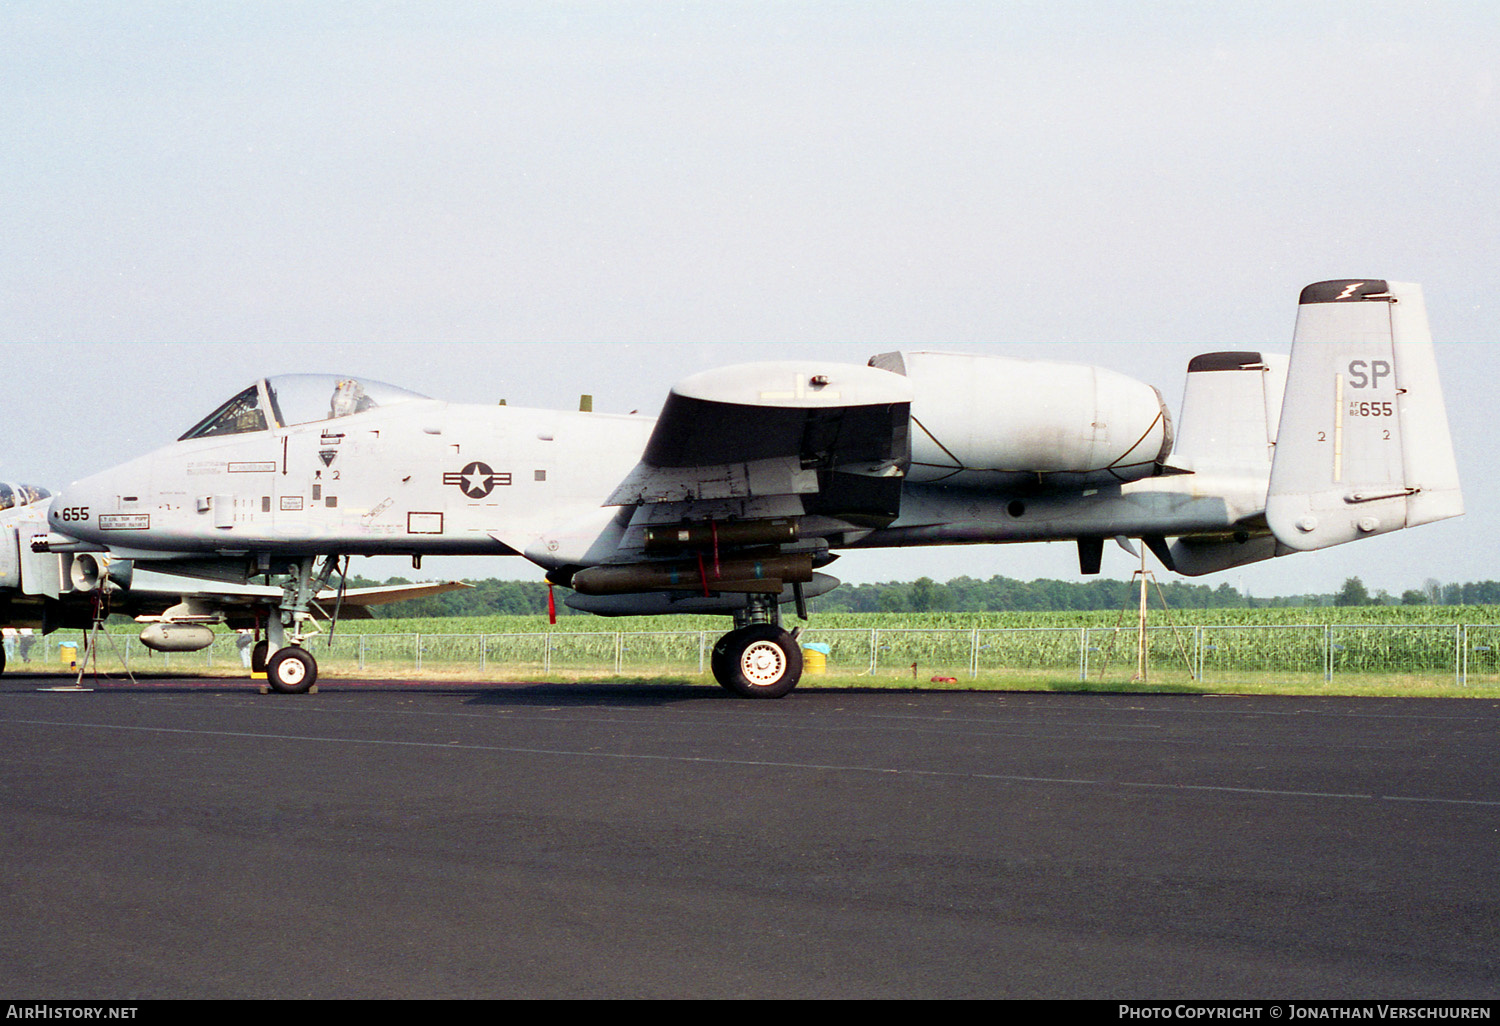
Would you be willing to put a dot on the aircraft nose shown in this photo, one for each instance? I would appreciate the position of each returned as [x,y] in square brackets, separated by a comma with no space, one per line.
[71,512]
[60,501]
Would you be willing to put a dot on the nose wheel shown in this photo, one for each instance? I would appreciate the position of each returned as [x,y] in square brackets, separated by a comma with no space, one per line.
[291,671]
[757,661]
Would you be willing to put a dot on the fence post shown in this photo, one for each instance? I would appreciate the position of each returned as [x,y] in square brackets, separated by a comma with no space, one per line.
[419,651]
[618,647]
[974,656]
[1083,655]
[1461,653]
[702,639]
[1327,653]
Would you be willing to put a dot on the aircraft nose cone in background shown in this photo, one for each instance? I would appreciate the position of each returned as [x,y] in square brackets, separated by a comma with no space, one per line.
[72,511]
[55,507]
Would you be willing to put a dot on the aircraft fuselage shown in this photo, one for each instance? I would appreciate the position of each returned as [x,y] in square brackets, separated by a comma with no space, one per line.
[422,477]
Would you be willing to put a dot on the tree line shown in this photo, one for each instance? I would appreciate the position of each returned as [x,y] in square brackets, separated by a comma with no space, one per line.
[963,594]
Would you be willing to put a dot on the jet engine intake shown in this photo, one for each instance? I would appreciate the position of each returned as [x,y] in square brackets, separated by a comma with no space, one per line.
[89,572]
[86,572]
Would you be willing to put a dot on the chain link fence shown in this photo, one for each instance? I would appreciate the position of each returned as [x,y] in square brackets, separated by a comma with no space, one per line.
[1308,654]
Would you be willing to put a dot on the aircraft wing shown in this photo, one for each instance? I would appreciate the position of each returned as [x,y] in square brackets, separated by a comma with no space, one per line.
[382,594]
[356,602]
[751,472]
[773,429]
[204,600]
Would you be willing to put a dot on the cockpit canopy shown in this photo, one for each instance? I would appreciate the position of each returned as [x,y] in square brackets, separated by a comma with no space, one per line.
[12,495]
[289,399]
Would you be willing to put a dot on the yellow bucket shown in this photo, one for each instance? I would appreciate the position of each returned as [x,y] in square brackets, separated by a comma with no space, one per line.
[68,654]
[814,661]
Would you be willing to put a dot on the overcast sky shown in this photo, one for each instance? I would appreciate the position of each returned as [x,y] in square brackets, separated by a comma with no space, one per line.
[641,190]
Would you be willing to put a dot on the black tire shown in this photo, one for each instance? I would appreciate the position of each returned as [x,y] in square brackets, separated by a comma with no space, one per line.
[2,660]
[718,664]
[291,671]
[758,661]
[258,656]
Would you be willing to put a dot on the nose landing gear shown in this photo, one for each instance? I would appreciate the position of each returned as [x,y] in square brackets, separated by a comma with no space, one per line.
[291,671]
[290,668]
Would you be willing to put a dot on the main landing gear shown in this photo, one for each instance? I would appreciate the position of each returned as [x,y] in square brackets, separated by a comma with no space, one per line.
[758,659]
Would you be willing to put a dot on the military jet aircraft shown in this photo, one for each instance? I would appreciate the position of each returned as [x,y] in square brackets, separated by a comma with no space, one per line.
[738,494]
[51,591]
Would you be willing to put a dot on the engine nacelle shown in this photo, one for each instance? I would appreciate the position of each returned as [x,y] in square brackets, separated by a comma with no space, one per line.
[999,423]
[177,637]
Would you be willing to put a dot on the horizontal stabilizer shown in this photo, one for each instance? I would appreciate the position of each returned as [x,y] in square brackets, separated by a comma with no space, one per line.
[1194,557]
[1363,446]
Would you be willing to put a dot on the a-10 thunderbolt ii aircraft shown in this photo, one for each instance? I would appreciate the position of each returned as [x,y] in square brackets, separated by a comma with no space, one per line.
[734,498]
[50,591]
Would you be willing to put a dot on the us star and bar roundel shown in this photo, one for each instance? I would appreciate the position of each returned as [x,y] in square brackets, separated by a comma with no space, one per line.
[476,480]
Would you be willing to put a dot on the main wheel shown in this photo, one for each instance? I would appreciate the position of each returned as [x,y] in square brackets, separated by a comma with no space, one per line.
[291,671]
[258,656]
[758,661]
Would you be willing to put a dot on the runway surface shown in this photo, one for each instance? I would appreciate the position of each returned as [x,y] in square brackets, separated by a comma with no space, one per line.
[197,839]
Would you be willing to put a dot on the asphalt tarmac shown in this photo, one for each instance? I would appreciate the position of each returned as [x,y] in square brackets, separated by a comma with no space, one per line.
[197,839]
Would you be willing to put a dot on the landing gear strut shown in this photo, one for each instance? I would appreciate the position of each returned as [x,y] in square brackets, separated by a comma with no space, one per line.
[290,668]
[758,659]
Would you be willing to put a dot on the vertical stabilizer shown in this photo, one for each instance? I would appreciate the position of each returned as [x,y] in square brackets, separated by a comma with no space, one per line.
[1363,446]
[1230,406]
